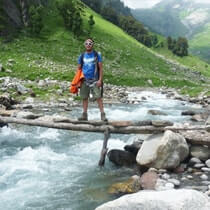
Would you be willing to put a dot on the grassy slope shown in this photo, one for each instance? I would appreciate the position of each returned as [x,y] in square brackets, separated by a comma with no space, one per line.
[192,62]
[54,55]
[200,43]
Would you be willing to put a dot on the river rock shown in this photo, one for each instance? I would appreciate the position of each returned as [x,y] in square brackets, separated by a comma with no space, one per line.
[164,151]
[194,160]
[7,101]
[205,169]
[161,123]
[156,112]
[26,115]
[148,180]
[7,113]
[3,124]
[160,200]
[133,148]
[132,185]
[208,163]
[198,118]
[197,137]
[204,177]
[199,165]
[175,182]
[189,112]
[200,152]
[29,100]
[21,89]
[121,158]
[163,185]
[208,121]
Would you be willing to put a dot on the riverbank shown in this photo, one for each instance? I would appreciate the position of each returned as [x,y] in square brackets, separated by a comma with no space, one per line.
[49,93]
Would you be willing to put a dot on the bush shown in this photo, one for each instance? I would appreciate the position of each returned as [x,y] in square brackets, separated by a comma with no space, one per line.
[35,19]
[91,23]
[2,17]
[71,15]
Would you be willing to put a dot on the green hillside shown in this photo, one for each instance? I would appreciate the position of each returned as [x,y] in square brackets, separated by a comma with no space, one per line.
[175,18]
[126,62]
[199,44]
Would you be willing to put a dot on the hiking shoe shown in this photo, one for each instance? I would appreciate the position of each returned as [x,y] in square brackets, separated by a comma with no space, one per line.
[84,117]
[103,116]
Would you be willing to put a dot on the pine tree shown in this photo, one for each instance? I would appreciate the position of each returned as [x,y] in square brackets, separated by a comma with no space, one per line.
[35,19]
[2,17]
[181,47]
[170,43]
[71,15]
[91,23]
[77,24]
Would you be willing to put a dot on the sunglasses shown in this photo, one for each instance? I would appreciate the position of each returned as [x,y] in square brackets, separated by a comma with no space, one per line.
[88,43]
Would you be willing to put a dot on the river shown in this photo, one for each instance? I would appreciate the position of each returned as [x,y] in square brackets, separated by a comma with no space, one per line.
[50,169]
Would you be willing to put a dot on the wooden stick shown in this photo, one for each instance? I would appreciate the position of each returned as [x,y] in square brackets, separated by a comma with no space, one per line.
[104,148]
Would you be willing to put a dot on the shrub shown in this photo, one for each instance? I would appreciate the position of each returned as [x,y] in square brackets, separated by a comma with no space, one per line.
[35,19]
[71,15]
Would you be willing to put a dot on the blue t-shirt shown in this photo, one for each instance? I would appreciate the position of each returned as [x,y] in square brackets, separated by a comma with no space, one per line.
[89,63]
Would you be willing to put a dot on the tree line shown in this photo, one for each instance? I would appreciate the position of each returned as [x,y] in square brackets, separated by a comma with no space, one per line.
[178,47]
[112,10]
[70,10]
[120,15]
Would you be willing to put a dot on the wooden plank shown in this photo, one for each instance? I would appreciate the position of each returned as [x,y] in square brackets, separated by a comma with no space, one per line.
[83,127]
[100,128]
[118,123]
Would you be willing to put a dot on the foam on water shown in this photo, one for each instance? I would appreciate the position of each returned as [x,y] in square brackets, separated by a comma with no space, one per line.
[50,134]
[29,160]
[11,133]
[148,94]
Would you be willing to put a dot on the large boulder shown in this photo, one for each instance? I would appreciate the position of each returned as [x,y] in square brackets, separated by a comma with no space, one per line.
[121,158]
[134,147]
[160,200]
[163,151]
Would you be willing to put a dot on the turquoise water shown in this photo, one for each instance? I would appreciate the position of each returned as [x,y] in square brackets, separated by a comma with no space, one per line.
[50,169]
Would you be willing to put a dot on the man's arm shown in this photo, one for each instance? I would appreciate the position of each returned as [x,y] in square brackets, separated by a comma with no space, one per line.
[79,66]
[100,80]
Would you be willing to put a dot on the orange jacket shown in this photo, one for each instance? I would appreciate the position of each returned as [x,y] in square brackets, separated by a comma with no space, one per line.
[76,82]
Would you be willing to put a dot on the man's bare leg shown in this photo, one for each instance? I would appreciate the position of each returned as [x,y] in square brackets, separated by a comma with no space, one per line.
[101,107]
[85,107]
[100,104]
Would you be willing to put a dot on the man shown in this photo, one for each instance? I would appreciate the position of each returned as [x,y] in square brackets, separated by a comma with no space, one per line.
[91,64]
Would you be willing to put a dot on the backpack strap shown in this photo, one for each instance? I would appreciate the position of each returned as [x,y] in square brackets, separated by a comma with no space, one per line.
[82,62]
[96,64]
[97,70]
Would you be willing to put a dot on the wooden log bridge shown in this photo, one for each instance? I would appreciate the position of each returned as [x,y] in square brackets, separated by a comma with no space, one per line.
[120,127]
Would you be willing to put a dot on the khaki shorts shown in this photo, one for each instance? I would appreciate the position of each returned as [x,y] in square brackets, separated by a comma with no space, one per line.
[85,91]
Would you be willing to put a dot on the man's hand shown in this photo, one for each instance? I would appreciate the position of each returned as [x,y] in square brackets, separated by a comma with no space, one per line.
[98,83]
